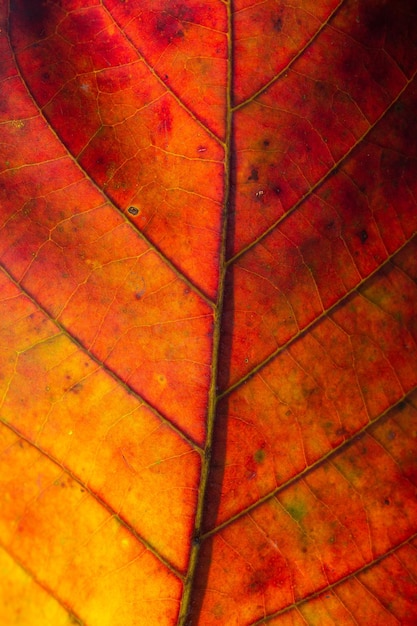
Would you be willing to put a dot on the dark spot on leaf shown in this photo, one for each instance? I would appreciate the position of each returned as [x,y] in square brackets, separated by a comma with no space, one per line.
[76,388]
[320,86]
[32,14]
[259,456]
[133,210]
[341,432]
[266,142]
[277,24]
[253,174]
[168,26]
[141,288]
[387,501]
[363,236]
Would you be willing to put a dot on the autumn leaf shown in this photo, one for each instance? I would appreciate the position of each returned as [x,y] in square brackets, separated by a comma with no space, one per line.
[208,312]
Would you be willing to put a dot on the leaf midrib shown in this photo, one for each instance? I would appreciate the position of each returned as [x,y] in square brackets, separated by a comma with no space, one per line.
[213,397]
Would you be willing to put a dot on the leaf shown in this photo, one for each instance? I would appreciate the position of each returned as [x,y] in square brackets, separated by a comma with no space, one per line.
[208,312]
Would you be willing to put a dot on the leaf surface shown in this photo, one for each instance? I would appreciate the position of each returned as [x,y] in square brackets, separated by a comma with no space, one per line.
[208,312]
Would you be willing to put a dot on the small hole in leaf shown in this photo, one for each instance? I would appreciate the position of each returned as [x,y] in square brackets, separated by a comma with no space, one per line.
[133,210]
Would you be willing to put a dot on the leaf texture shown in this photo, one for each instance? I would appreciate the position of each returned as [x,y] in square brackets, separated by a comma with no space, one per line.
[208,312]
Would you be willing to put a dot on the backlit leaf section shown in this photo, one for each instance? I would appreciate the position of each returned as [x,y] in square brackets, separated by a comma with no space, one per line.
[208,296]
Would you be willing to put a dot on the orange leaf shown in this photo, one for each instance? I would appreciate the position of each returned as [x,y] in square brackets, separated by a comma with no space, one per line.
[208,295]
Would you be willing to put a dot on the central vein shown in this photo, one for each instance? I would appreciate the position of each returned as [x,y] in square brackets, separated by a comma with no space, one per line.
[185,616]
